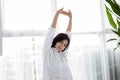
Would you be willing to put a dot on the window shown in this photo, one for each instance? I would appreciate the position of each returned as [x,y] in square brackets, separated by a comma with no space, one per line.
[26,15]
[86,14]
[24,24]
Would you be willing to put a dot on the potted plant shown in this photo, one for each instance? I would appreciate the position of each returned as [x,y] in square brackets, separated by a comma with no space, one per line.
[113,14]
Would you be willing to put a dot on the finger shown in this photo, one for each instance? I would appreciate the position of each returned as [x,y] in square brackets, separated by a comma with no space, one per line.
[61,9]
[69,11]
[64,12]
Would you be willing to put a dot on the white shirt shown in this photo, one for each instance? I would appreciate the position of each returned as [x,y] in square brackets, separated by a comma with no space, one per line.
[55,65]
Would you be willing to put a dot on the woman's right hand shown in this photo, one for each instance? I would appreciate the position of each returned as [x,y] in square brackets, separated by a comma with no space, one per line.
[61,11]
[69,14]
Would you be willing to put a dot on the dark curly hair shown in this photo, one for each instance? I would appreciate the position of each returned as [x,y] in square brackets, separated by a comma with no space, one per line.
[60,37]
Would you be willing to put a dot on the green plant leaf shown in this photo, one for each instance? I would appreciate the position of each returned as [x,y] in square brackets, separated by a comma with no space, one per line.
[115,48]
[117,33]
[112,39]
[115,7]
[118,22]
[119,44]
[110,18]
[118,7]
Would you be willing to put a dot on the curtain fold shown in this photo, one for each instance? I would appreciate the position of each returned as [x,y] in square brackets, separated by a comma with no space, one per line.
[117,64]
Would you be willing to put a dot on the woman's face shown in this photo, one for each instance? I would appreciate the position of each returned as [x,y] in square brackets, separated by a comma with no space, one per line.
[60,46]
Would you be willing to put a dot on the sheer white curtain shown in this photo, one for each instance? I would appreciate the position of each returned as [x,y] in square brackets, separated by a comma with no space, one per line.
[20,62]
[85,57]
[24,23]
[117,64]
[114,58]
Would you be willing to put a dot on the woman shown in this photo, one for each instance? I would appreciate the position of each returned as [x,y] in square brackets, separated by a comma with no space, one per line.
[55,65]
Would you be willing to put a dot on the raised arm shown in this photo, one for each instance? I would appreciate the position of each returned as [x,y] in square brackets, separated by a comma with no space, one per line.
[69,28]
[55,19]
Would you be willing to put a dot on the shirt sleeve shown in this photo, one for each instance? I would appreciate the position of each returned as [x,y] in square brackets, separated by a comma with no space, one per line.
[48,39]
[69,34]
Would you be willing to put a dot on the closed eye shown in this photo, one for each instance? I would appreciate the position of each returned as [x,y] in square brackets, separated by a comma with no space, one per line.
[65,45]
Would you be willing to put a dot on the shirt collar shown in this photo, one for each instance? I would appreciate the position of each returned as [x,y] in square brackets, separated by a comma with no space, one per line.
[56,50]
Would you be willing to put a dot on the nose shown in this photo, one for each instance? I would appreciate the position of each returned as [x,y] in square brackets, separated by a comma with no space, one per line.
[62,46]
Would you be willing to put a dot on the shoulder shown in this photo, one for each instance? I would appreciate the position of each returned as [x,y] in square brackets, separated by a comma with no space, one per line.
[51,29]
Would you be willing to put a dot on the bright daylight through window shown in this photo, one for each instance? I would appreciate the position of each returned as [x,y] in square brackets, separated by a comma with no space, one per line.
[24,24]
